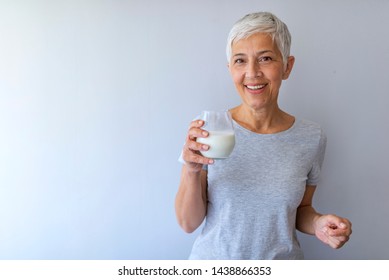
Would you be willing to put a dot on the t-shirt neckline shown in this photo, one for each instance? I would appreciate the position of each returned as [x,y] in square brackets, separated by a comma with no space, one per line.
[286,131]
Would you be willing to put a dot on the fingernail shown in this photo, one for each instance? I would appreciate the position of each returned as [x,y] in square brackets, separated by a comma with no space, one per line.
[205,147]
[205,133]
[211,161]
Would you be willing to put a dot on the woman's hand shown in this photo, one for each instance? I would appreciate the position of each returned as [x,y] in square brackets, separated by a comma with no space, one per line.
[333,230]
[191,199]
[191,151]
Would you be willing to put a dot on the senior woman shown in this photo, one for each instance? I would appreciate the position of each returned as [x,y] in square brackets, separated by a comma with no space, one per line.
[254,201]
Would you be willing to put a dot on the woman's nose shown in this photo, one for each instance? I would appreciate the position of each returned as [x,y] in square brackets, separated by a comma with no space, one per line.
[253,70]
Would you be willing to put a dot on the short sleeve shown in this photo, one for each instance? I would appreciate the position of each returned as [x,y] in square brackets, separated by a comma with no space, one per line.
[181,160]
[314,174]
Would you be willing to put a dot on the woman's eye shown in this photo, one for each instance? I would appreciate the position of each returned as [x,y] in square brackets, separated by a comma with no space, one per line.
[265,59]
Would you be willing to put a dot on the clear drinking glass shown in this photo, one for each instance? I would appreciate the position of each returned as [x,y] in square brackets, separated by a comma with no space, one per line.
[221,138]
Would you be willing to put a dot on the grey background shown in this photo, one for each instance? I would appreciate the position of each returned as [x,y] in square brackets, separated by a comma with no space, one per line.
[96,97]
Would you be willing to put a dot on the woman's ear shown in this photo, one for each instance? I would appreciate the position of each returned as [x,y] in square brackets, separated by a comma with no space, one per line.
[288,68]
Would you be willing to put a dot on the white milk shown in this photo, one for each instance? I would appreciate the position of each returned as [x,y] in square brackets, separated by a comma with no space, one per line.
[221,144]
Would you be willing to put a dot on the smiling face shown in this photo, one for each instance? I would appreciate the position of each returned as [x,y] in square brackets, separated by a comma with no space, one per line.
[257,70]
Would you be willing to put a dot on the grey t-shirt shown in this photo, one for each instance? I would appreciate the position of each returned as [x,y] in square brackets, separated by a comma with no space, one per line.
[253,195]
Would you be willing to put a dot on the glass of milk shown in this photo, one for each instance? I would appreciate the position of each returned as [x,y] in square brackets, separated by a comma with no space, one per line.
[221,138]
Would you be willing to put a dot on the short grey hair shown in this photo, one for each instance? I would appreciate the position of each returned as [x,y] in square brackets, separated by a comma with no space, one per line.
[261,22]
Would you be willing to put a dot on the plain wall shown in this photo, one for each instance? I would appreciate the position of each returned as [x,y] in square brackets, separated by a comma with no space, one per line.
[96,97]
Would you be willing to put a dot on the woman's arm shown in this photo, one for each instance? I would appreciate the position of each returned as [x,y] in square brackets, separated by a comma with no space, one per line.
[330,229]
[191,199]
[306,214]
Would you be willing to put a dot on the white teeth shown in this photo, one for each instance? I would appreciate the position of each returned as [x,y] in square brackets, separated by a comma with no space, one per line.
[256,87]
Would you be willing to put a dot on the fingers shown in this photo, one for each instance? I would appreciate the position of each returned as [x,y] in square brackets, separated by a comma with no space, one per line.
[335,231]
[196,158]
[340,227]
[192,149]
[335,238]
[195,146]
[337,242]
[333,241]
[195,130]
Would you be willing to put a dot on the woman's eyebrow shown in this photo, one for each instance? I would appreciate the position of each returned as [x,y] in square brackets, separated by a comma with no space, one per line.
[239,54]
[263,52]
[257,53]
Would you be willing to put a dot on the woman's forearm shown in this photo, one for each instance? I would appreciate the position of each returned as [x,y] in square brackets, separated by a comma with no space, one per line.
[306,218]
[191,199]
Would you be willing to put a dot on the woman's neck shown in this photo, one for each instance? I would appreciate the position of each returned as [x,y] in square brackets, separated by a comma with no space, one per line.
[262,121]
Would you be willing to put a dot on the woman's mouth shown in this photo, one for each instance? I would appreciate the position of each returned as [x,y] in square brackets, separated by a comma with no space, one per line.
[255,88]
